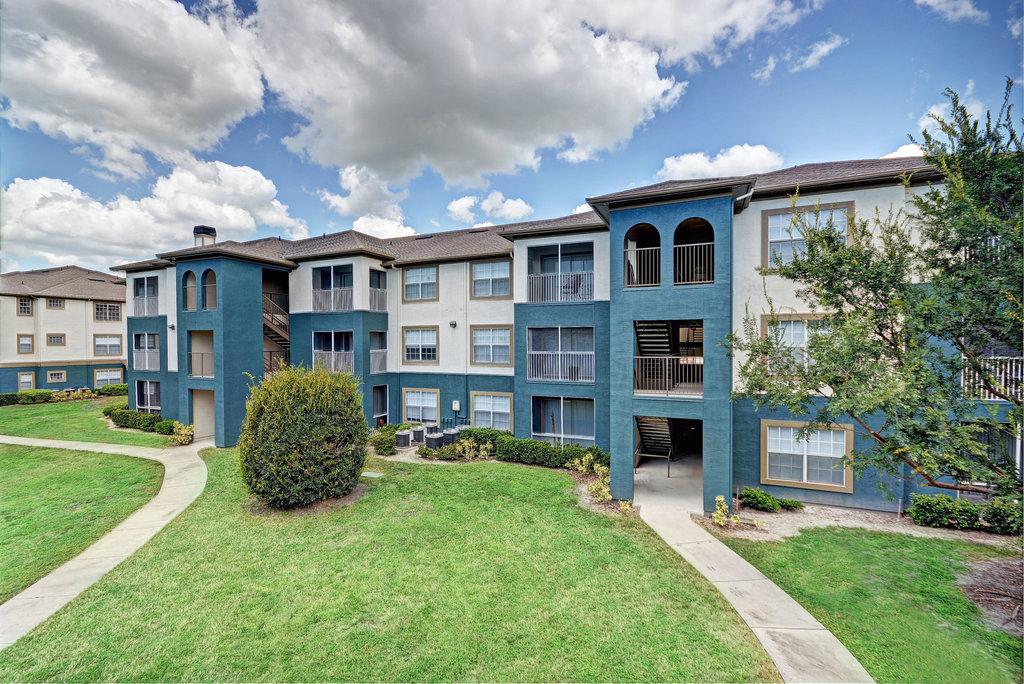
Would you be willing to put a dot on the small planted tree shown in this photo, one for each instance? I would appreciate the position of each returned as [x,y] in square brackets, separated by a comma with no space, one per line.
[304,437]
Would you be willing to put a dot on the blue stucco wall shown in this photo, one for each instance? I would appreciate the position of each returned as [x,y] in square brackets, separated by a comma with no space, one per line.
[453,387]
[711,303]
[170,405]
[78,375]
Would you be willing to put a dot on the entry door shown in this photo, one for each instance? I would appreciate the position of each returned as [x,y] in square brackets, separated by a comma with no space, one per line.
[203,413]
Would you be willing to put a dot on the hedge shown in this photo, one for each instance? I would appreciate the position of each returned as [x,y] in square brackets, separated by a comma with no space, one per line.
[759,500]
[165,427]
[114,406]
[1000,515]
[136,420]
[8,398]
[34,396]
[113,390]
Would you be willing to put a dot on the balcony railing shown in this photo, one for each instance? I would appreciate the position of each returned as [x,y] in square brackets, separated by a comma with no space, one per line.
[694,264]
[274,360]
[575,286]
[200,364]
[642,266]
[337,362]
[566,366]
[146,306]
[672,375]
[338,299]
[378,360]
[146,360]
[1006,371]
[378,299]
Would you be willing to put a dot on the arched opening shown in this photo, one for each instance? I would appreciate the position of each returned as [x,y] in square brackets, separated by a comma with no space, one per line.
[642,266]
[694,252]
[209,289]
[188,291]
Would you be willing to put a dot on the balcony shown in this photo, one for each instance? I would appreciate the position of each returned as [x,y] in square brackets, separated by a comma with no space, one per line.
[337,299]
[1006,371]
[146,360]
[694,264]
[200,364]
[378,299]
[378,360]
[642,266]
[565,366]
[574,286]
[274,361]
[334,361]
[669,375]
[146,306]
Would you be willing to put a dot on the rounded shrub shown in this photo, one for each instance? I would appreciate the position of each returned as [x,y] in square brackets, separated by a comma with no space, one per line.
[165,427]
[304,437]
[759,500]
[1004,516]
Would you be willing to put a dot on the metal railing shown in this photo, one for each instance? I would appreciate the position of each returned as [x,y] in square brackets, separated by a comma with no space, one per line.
[642,266]
[566,366]
[378,299]
[210,296]
[200,364]
[146,360]
[1006,372]
[274,360]
[338,299]
[338,362]
[275,309]
[674,375]
[146,306]
[574,286]
[694,263]
[378,360]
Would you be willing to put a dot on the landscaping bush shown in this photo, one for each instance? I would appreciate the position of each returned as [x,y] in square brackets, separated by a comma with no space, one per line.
[182,434]
[759,500]
[462,450]
[304,437]
[528,451]
[34,396]
[943,511]
[8,398]
[791,505]
[383,438]
[483,436]
[126,418]
[113,390]
[72,395]
[1003,516]
[588,463]
[115,406]
[165,427]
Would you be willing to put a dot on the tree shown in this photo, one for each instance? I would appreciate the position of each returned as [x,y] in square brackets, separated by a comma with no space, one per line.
[910,303]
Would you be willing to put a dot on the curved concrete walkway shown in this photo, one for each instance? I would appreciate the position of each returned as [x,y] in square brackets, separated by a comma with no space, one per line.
[802,648]
[184,480]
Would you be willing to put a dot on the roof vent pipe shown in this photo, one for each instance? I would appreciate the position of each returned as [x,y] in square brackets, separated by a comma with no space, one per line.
[204,235]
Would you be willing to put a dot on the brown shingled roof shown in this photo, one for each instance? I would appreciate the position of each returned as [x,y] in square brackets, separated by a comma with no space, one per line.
[63,282]
[455,245]
[336,244]
[854,171]
[562,224]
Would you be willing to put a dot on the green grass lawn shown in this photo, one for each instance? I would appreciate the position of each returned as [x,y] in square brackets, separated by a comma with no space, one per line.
[54,503]
[80,421]
[483,571]
[892,600]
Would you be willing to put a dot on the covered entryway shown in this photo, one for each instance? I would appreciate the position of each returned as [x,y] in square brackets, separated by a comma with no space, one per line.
[669,462]
[203,413]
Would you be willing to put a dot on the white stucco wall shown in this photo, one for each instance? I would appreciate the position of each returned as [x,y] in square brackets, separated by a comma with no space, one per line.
[75,321]
[167,294]
[601,263]
[300,282]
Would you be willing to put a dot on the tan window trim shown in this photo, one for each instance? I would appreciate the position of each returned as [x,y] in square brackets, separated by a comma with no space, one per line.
[62,306]
[511,406]
[97,371]
[788,317]
[63,376]
[437,283]
[435,392]
[119,305]
[63,336]
[29,373]
[437,331]
[802,208]
[17,343]
[511,345]
[117,335]
[492,297]
[31,306]
[846,488]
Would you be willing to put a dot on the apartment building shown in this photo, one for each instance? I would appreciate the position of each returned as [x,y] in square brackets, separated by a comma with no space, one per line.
[62,328]
[603,327]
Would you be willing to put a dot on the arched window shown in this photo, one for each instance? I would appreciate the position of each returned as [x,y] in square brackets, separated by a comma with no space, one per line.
[694,252]
[188,291]
[642,265]
[209,289]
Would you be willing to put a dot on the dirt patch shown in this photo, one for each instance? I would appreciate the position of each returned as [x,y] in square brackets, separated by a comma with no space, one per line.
[996,587]
[744,529]
[256,507]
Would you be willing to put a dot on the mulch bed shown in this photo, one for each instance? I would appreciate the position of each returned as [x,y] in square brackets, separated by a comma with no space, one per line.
[997,586]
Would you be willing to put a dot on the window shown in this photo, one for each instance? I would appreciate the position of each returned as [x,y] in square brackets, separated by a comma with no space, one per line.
[103,311]
[54,303]
[492,345]
[420,345]
[145,287]
[107,345]
[491,279]
[24,306]
[563,420]
[794,331]
[26,380]
[147,396]
[107,376]
[146,355]
[209,289]
[380,405]
[491,410]
[26,344]
[56,340]
[378,352]
[560,354]
[332,277]
[560,273]
[56,376]
[378,279]
[188,286]
[420,405]
[332,341]
[420,284]
[782,235]
[815,462]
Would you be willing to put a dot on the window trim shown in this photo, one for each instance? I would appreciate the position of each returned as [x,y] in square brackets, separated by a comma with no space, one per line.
[846,488]
[63,378]
[185,288]
[437,332]
[97,371]
[63,337]
[511,406]
[31,374]
[561,435]
[511,344]
[437,283]
[62,301]
[119,336]
[31,306]
[429,390]
[17,343]
[119,305]
[492,297]
[800,209]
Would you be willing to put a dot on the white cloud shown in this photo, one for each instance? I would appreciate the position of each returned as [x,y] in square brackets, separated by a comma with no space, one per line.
[765,72]
[1016,26]
[582,209]
[377,207]
[954,10]
[461,209]
[817,52]
[738,160]
[483,224]
[908,150]
[120,79]
[496,205]
[942,109]
[51,219]
[382,227]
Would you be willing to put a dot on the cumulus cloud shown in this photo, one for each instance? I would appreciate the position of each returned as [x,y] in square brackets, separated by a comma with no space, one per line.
[908,150]
[1015,25]
[954,10]
[53,220]
[738,160]
[582,209]
[942,109]
[377,207]
[817,52]
[494,205]
[461,209]
[765,72]
[120,79]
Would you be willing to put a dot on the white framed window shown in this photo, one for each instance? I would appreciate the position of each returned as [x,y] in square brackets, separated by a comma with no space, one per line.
[147,396]
[785,235]
[492,410]
[420,345]
[108,376]
[56,340]
[420,283]
[106,311]
[380,405]
[54,303]
[491,279]
[107,345]
[53,376]
[24,306]
[26,344]
[420,405]
[795,332]
[564,420]
[492,345]
[26,380]
[817,461]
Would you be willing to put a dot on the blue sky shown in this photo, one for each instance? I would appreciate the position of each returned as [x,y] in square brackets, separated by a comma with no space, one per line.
[888,64]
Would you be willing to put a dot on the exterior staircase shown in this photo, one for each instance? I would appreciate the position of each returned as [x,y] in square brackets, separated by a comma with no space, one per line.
[275,328]
[655,439]
[653,338]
